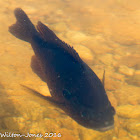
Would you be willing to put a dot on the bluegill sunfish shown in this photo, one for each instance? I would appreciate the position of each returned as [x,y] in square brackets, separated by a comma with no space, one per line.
[71,82]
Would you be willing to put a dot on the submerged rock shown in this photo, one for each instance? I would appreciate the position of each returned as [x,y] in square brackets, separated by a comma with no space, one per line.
[128,94]
[107,59]
[59,27]
[76,36]
[98,44]
[126,70]
[131,60]
[128,111]
[133,126]
[126,32]
[135,80]
[84,52]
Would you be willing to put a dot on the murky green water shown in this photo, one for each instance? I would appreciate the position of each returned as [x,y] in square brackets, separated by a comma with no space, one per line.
[106,34]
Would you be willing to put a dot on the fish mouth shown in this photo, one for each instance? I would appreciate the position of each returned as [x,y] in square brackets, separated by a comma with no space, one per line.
[106,128]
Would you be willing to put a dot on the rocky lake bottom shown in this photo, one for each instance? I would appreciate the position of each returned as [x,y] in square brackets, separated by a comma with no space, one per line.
[106,35]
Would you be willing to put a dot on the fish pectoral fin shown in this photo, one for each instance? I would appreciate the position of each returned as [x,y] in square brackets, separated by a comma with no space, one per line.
[36,68]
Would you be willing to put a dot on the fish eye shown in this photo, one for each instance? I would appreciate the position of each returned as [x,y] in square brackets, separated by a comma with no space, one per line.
[67,94]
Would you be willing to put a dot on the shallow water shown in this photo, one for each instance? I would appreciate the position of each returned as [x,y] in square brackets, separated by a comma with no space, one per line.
[106,34]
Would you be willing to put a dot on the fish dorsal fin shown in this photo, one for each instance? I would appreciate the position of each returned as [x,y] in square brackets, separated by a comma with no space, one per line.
[103,79]
[49,36]
[46,33]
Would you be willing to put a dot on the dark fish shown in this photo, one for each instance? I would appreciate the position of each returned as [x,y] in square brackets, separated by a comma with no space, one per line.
[71,82]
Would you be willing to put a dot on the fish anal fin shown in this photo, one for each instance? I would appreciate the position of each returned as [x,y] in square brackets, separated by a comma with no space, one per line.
[36,67]
[52,100]
[48,98]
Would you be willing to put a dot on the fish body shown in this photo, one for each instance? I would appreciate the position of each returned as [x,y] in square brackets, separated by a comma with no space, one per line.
[71,81]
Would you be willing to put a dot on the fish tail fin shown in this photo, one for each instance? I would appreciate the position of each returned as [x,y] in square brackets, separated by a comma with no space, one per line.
[23,28]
